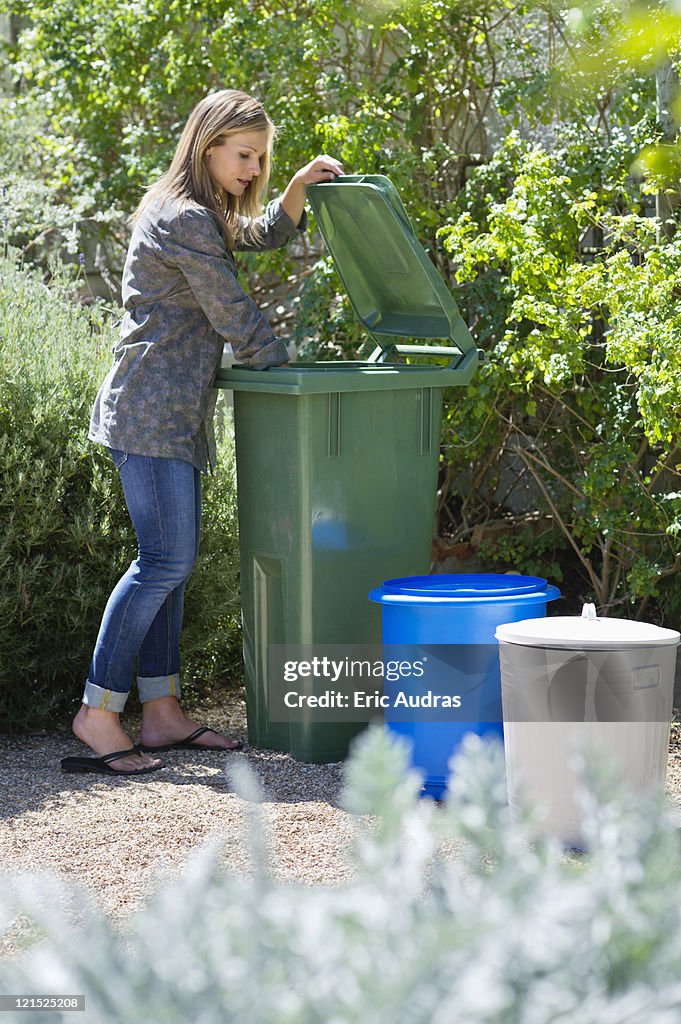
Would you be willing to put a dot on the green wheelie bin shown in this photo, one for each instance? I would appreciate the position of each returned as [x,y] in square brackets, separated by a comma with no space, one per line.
[337,461]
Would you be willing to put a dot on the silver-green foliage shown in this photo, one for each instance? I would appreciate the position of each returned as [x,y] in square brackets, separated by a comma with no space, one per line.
[59,527]
[504,932]
[65,534]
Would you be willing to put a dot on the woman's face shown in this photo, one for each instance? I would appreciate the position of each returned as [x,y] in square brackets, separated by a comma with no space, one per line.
[236,162]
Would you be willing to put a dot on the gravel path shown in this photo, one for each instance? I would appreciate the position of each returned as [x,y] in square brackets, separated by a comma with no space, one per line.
[121,837]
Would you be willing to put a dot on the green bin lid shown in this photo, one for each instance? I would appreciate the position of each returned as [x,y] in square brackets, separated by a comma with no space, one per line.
[392,284]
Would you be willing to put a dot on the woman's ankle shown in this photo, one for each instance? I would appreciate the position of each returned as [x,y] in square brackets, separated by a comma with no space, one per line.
[162,707]
[96,715]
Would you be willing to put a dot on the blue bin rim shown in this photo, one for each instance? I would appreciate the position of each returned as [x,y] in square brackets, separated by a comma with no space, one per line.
[460,588]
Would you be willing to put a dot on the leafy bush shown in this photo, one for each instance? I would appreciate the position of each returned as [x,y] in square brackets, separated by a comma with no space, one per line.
[326,326]
[211,638]
[38,216]
[65,535]
[356,79]
[504,932]
[415,90]
[582,381]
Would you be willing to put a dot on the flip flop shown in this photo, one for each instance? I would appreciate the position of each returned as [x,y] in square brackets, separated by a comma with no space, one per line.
[188,744]
[101,764]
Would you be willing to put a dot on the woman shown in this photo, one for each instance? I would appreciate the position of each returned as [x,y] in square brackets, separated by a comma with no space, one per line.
[154,410]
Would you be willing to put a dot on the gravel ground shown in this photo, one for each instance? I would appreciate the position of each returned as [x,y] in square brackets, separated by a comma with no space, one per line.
[121,837]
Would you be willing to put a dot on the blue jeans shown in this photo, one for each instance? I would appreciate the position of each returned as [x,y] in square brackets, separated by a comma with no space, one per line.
[143,616]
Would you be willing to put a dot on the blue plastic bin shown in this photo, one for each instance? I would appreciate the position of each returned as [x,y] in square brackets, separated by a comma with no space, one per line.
[453,610]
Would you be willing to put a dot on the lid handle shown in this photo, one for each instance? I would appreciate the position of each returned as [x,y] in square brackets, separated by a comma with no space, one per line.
[466,360]
[589,612]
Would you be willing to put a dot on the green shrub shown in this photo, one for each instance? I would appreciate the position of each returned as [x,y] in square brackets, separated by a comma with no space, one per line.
[415,90]
[211,638]
[65,534]
[581,383]
[505,932]
[37,215]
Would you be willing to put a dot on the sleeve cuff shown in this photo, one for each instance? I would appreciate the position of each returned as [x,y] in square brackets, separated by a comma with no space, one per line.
[271,355]
[281,214]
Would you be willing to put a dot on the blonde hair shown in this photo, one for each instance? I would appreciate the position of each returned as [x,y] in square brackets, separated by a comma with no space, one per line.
[188,179]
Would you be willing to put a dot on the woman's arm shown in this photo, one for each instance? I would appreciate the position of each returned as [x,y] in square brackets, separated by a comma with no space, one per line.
[192,242]
[271,230]
[286,214]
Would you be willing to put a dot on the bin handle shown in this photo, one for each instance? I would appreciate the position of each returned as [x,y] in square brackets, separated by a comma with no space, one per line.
[460,360]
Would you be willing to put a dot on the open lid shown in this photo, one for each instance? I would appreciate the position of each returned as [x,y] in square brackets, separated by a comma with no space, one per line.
[392,284]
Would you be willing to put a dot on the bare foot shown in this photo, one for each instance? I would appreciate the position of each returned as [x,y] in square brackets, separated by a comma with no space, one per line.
[102,731]
[163,721]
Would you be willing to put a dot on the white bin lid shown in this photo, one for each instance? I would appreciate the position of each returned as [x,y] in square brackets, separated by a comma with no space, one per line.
[586,632]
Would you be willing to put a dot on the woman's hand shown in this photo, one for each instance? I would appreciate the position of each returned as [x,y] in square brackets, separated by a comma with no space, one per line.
[322,168]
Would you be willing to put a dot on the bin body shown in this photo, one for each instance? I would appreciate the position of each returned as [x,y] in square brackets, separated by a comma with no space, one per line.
[449,610]
[335,491]
[572,683]
[337,461]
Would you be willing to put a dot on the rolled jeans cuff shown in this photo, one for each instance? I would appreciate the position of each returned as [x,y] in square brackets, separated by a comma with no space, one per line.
[107,700]
[152,687]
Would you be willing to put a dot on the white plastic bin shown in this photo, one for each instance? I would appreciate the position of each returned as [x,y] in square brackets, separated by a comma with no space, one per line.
[567,679]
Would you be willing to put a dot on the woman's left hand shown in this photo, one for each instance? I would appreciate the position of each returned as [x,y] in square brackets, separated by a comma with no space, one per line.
[322,168]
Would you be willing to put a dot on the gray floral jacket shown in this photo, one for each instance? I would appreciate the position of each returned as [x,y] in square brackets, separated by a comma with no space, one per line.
[182,302]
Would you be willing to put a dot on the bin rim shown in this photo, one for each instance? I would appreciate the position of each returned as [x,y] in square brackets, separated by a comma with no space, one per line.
[339,377]
[464,588]
[573,632]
